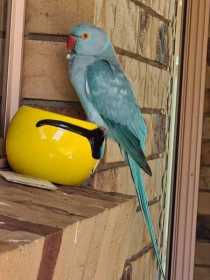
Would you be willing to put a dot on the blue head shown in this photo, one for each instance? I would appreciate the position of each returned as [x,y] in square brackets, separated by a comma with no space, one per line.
[86,39]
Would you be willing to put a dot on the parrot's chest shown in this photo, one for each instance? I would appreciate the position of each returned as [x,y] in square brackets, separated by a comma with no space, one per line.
[78,69]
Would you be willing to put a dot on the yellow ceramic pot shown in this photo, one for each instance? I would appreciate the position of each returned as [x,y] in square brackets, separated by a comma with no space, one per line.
[52,146]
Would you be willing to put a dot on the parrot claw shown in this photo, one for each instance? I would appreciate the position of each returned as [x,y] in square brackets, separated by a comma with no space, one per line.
[105,130]
[138,209]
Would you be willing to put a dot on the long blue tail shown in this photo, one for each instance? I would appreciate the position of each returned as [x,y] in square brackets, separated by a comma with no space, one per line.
[143,203]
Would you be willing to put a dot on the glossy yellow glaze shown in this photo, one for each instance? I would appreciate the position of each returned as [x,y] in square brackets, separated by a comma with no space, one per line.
[49,152]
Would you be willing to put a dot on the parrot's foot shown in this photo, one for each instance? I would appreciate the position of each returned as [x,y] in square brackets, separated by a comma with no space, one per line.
[138,209]
[105,130]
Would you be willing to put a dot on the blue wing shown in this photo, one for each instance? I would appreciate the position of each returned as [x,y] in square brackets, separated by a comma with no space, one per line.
[112,96]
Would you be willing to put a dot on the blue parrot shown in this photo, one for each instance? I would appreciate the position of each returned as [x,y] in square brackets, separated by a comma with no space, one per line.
[108,100]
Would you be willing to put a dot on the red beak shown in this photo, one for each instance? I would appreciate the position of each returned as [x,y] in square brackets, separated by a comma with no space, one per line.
[71,43]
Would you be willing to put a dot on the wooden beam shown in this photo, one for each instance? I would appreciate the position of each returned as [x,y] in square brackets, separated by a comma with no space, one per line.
[190,134]
[13,62]
[65,234]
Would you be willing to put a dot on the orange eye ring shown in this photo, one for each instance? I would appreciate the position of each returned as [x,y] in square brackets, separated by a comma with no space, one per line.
[85,36]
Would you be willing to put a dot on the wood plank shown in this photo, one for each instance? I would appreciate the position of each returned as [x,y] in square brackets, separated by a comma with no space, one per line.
[188,166]
[202,253]
[3,7]
[203,203]
[29,232]
[52,209]
[202,273]
[12,76]
[56,17]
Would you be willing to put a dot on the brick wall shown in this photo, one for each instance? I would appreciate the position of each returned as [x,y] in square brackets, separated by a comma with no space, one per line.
[141,32]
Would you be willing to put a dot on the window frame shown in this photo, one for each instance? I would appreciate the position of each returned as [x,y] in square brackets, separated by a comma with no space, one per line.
[13,58]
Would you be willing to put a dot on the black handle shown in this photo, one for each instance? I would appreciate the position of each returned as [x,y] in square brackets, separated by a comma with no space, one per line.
[95,136]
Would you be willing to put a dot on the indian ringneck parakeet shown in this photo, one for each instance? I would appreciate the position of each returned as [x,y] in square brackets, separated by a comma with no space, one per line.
[108,100]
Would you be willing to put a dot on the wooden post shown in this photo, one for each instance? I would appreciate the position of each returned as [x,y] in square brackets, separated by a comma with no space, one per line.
[13,61]
[190,133]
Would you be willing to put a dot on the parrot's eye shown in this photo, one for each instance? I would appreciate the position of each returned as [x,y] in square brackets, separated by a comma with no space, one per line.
[85,36]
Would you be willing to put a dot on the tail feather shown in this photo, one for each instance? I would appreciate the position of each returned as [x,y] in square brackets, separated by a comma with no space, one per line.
[143,202]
